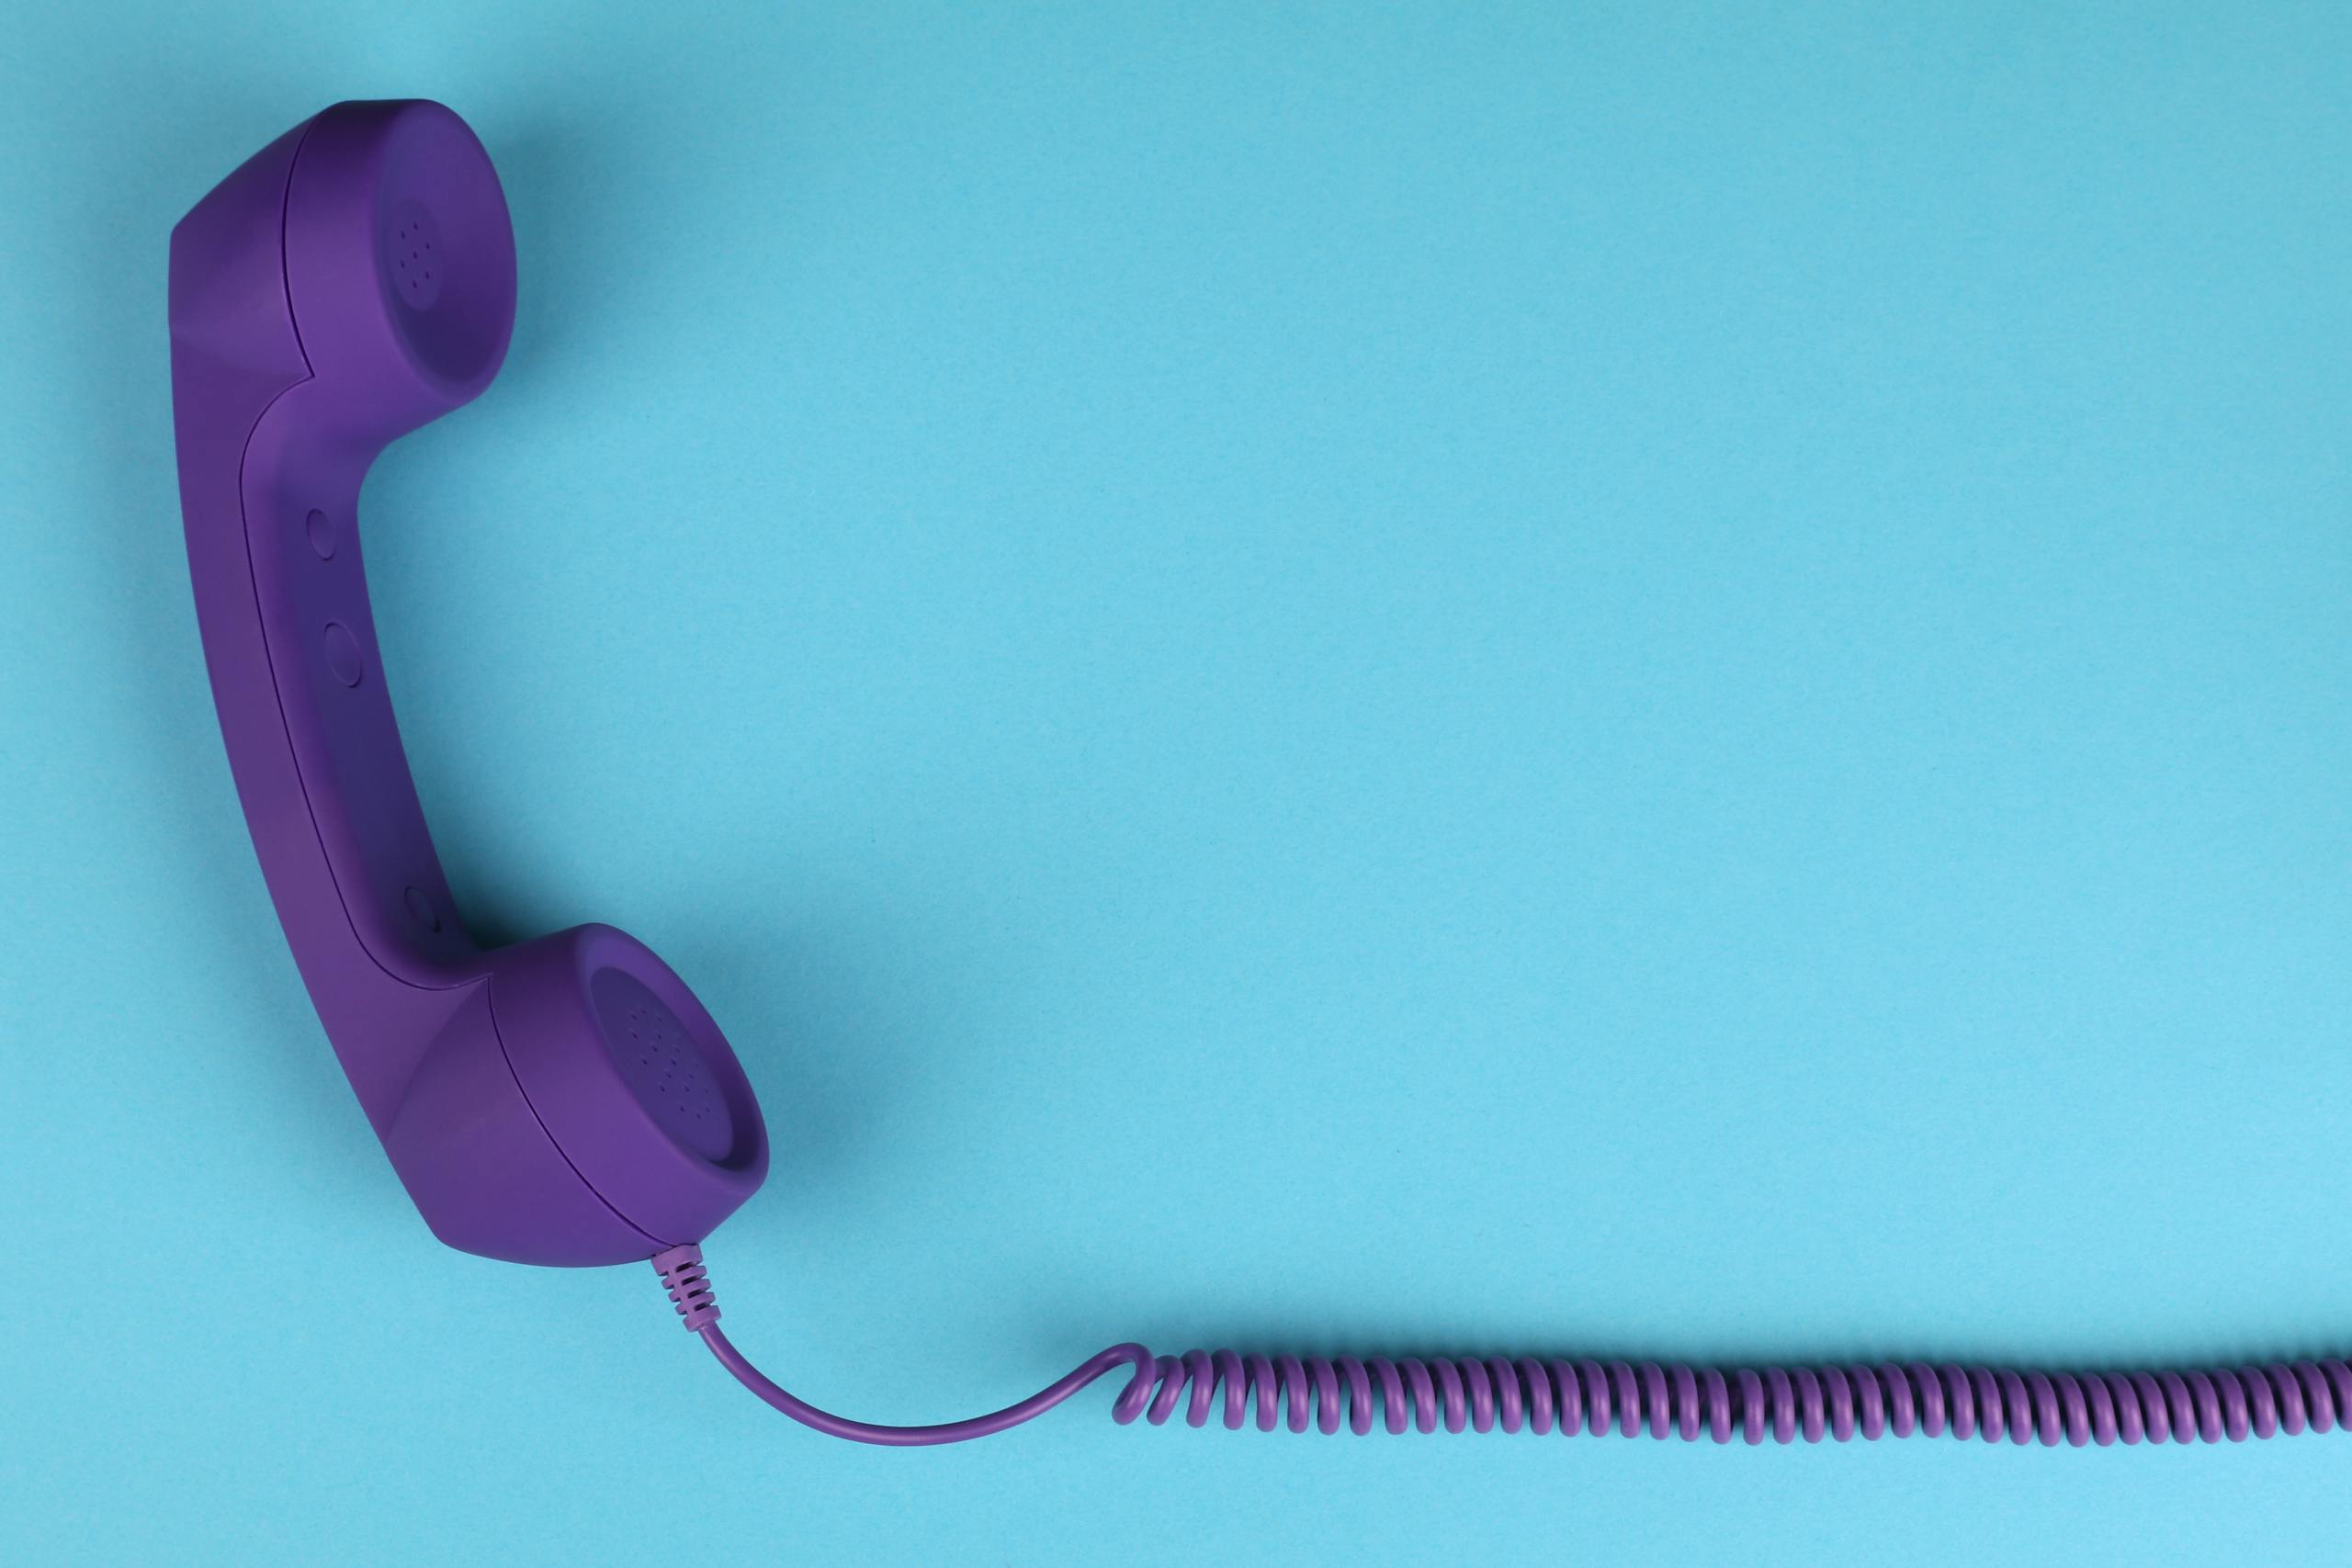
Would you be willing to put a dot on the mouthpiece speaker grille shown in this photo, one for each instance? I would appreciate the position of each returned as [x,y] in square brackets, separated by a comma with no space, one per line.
[661,1062]
[412,250]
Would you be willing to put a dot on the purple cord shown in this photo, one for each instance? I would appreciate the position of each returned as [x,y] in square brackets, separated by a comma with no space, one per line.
[688,1283]
[808,1415]
[1668,1400]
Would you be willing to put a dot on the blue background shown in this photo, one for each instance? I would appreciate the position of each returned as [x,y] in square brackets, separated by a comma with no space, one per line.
[1662,679]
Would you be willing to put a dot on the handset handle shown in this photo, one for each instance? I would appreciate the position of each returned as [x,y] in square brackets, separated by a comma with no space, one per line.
[239,379]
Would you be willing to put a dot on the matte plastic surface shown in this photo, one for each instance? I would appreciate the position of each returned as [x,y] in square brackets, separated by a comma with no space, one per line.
[350,282]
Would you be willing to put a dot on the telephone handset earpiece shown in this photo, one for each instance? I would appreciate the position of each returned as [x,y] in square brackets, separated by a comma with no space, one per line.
[565,1101]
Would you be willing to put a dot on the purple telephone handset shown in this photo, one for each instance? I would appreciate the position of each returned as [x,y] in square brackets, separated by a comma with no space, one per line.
[567,1101]
[564,1100]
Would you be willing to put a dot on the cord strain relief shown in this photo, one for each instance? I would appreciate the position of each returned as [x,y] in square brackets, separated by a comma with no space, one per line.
[688,1283]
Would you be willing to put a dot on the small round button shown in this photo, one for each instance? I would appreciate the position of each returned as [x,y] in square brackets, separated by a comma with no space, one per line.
[343,653]
[321,529]
[420,909]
